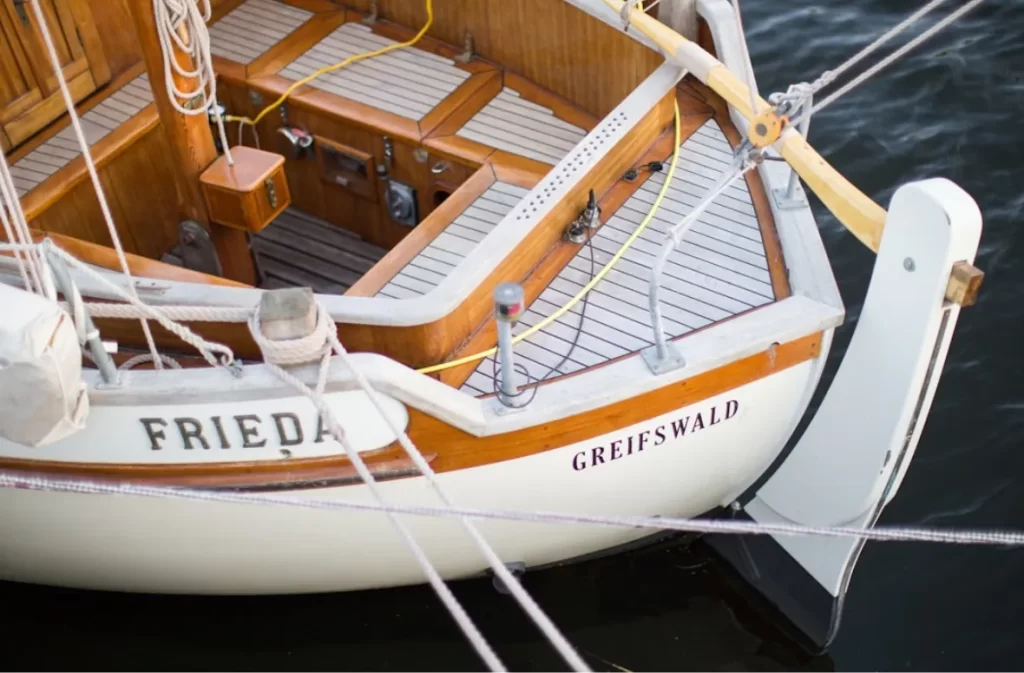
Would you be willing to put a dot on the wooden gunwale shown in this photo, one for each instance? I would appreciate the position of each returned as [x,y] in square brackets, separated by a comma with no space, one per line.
[449,448]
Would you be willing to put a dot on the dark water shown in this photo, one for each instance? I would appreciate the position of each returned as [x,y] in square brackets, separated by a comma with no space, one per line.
[948,110]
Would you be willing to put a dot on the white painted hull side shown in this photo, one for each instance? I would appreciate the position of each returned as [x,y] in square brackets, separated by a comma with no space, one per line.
[129,543]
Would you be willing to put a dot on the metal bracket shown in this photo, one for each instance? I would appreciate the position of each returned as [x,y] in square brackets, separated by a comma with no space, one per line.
[673,359]
[255,97]
[467,49]
[374,13]
[784,202]
[284,113]
[271,192]
[194,103]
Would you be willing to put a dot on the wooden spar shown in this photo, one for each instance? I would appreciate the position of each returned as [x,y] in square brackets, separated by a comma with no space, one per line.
[192,148]
[863,217]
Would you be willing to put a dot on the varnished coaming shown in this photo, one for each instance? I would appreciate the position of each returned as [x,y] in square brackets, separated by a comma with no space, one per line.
[452,449]
[140,267]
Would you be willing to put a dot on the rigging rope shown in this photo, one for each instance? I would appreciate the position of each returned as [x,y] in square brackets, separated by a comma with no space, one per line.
[798,94]
[995,538]
[90,165]
[320,343]
[291,352]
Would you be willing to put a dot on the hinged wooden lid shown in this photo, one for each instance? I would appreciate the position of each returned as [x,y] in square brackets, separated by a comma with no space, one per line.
[252,167]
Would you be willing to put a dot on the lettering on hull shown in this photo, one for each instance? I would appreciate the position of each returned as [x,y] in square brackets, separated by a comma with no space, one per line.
[677,428]
[245,431]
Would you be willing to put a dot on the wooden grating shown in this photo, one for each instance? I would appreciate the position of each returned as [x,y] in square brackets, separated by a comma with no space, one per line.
[299,250]
[409,82]
[456,242]
[57,152]
[511,123]
[719,271]
[253,28]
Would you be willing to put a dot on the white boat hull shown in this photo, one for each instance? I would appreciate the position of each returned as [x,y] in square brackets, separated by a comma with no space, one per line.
[129,543]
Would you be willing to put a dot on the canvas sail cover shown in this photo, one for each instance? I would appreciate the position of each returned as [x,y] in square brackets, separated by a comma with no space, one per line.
[42,395]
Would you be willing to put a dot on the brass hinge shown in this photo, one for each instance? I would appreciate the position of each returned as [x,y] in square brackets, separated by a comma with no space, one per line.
[271,192]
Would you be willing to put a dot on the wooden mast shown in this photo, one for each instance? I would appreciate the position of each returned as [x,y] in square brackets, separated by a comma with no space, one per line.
[192,148]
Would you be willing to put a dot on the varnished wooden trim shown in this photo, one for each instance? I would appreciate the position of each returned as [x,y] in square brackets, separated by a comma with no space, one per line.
[229,71]
[462,450]
[224,8]
[518,170]
[385,463]
[561,108]
[459,149]
[297,43]
[51,108]
[462,103]
[315,6]
[108,148]
[455,449]
[340,109]
[140,267]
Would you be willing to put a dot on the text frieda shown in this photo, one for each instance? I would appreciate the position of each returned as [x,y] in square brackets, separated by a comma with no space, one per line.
[251,428]
[635,443]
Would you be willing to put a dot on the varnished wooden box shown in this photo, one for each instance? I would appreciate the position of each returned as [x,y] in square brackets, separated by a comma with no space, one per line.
[248,195]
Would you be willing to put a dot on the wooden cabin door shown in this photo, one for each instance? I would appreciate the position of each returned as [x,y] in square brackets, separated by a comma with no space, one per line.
[30,97]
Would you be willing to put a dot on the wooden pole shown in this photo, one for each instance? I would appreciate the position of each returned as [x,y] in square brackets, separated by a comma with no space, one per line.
[192,148]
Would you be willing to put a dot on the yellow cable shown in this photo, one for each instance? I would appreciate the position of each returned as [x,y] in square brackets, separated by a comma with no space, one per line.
[593,281]
[337,66]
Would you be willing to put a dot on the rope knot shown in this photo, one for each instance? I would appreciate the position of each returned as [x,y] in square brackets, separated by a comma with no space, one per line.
[282,352]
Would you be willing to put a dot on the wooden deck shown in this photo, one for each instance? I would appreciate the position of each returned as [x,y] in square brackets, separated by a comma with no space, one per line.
[409,83]
[718,271]
[60,150]
[252,29]
[511,123]
[298,250]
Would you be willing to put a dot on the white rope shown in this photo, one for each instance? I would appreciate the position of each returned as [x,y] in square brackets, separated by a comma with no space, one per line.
[747,65]
[181,26]
[830,76]
[17,230]
[207,349]
[954,536]
[131,362]
[69,102]
[899,53]
[295,350]
[798,94]
[319,344]
[525,600]
[173,312]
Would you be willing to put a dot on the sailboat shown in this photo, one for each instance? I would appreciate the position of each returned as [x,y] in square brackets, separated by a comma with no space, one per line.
[566,246]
